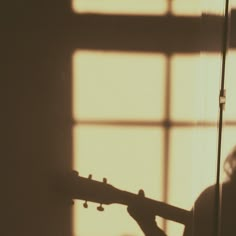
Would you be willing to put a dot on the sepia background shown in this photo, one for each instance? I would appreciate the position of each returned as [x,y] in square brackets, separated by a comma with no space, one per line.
[122,89]
[149,118]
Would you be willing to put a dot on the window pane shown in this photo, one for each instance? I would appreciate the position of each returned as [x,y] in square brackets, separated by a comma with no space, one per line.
[216,8]
[233,4]
[147,7]
[186,7]
[195,87]
[115,85]
[131,159]
[193,156]
[230,82]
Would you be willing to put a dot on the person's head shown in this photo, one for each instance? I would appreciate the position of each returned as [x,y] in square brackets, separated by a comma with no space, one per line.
[230,164]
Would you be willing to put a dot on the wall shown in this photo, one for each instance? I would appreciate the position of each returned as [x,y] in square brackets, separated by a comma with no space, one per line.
[35,117]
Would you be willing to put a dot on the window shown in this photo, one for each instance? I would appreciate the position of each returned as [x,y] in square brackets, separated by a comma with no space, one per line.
[146,118]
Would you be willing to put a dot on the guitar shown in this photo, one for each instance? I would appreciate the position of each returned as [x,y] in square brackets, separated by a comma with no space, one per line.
[103,193]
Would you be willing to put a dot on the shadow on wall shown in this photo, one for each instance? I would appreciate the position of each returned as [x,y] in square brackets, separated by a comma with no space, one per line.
[37,41]
[35,117]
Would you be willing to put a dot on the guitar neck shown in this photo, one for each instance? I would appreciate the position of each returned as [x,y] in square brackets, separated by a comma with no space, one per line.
[94,191]
[158,208]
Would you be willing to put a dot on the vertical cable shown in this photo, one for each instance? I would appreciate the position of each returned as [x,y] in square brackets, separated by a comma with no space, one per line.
[217,212]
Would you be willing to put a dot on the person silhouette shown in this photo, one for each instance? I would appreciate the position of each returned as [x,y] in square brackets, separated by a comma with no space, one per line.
[203,212]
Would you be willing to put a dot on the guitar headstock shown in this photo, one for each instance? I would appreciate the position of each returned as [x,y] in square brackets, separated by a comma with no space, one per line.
[91,190]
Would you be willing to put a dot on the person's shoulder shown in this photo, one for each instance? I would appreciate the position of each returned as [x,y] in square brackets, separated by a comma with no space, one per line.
[208,192]
[206,197]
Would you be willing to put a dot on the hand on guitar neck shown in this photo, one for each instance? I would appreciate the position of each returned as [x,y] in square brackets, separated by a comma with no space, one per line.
[142,209]
[145,219]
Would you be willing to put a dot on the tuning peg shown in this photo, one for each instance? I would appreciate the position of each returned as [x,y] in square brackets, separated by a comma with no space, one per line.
[100,208]
[104,180]
[74,172]
[85,204]
[90,176]
[141,193]
[70,202]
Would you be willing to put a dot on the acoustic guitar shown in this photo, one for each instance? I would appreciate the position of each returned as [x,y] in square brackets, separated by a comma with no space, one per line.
[91,190]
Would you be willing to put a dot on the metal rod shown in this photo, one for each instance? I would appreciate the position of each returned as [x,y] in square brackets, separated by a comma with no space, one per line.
[217,208]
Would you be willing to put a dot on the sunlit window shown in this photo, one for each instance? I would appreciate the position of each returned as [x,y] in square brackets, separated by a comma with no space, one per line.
[148,119]
[198,75]
[131,7]
[230,85]
[217,8]
[131,158]
[118,86]
[185,7]
[120,125]
[117,98]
